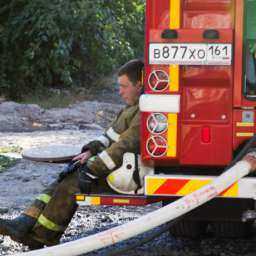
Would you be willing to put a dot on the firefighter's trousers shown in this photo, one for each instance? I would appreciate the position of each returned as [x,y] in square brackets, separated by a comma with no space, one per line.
[55,207]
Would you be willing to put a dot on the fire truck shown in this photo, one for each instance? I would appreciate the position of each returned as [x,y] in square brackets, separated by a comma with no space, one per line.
[198,110]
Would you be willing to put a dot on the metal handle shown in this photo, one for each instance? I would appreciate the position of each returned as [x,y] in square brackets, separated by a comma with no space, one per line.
[169,34]
[211,34]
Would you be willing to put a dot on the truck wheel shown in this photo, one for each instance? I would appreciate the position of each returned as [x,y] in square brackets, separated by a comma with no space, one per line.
[188,229]
[232,229]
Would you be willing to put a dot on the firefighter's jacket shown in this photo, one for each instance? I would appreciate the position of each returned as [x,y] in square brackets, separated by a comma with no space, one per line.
[122,136]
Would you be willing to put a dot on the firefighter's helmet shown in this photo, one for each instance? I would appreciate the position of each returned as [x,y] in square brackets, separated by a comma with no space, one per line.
[129,178]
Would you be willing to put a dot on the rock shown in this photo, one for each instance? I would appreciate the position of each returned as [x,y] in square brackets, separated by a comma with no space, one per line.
[5,249]
[55,126]
[17,117]
[26,179]
[105,218]
[29,117]
[3,210]
[31,111]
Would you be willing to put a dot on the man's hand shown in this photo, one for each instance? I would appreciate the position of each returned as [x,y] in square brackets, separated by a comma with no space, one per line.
[83,157]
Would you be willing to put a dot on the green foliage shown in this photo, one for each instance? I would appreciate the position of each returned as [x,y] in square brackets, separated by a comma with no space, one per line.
[10,149]
[66,42]
[6,162]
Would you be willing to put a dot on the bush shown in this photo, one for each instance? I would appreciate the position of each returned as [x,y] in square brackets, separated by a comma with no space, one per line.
[66,42]
[6,162]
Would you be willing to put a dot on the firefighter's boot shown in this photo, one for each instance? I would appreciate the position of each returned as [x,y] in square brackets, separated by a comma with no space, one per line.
[17,228]
[31,243]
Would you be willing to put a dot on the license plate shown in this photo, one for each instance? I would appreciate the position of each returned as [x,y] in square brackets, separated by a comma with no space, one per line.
[190,54]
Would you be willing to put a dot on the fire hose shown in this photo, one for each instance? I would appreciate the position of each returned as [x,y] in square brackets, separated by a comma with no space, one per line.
[167,226]
[155,218]
[147,239]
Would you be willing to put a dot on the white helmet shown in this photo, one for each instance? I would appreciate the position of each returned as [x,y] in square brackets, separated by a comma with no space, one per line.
[129,178]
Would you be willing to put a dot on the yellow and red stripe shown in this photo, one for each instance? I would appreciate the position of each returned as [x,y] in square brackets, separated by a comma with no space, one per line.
[159,186]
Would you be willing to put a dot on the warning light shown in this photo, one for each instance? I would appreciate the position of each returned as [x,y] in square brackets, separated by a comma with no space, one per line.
[206,134]
[157,123]
[156,146]
[158,80]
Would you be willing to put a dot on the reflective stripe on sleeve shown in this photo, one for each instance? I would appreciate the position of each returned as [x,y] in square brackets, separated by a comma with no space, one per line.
[48,224]
[107,160]
[113,135]
[44,198]
[91,176]
[104,140]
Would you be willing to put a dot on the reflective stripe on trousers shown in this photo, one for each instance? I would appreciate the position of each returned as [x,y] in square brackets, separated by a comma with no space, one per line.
[44,198]
[48,224]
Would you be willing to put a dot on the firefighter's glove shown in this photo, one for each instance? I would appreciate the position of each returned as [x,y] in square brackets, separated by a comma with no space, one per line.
[86,179]
[70,168]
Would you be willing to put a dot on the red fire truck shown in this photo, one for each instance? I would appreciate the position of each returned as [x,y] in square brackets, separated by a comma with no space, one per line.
[198,109]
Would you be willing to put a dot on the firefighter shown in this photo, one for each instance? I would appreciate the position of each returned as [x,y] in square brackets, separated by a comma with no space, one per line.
[44,222]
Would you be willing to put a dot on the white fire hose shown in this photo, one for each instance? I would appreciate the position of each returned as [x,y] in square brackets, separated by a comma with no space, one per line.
[153,219]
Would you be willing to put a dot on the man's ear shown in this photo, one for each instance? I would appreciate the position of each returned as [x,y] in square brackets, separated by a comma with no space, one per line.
[139,85]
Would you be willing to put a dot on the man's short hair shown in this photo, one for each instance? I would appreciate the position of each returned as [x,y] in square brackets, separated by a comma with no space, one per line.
[133,69]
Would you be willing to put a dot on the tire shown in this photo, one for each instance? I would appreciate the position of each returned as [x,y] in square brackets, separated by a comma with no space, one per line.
[232,229]
[188,229]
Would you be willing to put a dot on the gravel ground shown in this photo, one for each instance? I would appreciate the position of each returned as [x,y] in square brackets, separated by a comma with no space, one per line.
[22,182]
